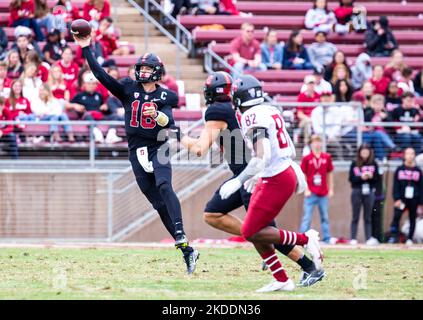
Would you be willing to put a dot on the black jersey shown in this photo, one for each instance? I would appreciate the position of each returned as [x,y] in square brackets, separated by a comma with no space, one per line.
[141,131]
[408,177]
[231,138]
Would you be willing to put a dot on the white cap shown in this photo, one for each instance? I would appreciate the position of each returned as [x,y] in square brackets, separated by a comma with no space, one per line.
[22,31]
[89,77]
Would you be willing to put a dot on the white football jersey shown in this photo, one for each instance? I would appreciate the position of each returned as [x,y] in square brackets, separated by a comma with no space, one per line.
[282,147]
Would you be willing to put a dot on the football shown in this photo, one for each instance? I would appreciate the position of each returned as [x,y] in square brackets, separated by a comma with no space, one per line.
[80,28]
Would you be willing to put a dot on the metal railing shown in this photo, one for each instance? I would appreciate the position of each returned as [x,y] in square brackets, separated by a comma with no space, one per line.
[182,38]
[33,140]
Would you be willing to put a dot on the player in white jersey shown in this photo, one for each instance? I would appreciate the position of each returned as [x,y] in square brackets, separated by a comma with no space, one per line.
[275,176]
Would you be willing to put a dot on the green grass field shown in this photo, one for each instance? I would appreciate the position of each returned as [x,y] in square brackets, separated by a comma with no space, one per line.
[129,273]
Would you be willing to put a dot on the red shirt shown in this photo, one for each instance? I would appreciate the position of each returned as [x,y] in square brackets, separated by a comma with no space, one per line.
[108,43]
[59,91]
[380,85]
[70,74]
[43,72]
[89,9]
[23,106]
[302,97]
[6,116]
[315,170]
[246,51]
[29,8]
[103,91]
[229,6]
[68,15]
[343,14]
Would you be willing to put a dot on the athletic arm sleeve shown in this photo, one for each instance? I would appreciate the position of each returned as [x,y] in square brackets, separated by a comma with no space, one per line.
[113,85]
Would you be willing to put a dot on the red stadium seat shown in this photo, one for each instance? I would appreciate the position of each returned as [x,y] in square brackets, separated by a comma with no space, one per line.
[352,50]
[403,37]
[280,22]
[300,8]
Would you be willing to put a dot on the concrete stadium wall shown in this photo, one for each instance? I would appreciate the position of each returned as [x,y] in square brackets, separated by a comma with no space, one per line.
[52,205]
[290,218]
[64,205]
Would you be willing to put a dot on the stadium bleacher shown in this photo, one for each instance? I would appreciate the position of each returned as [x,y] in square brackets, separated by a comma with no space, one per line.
[405,19]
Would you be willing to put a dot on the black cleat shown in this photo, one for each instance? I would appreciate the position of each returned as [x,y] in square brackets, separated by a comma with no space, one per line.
[308,279]
[191,259]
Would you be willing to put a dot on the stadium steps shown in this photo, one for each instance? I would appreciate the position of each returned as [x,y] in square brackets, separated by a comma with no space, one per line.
[191,69]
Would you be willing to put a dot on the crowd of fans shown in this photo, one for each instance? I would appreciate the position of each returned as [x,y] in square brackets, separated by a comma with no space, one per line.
[336,79]
[41,78]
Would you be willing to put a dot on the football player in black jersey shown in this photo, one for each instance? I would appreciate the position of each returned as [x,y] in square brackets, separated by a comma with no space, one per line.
[148,110]
[222,126]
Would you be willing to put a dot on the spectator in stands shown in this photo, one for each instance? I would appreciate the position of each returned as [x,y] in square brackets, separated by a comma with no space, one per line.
[43,16]
[22,14]
[379,81]
[31,82]
[338,58]
[340,72]
[57,84]
[25,44]
[320,18]
[18,105]
[395,66]
[90,102]
[342,91]
[321,84]
[271,51]
[379,39]
[48,108]
[364,94]
[98,51]
[408,195]
[376,113]
[407,136]
[321,52]
[54,47]
[95,10]
[393,96]
[418,83]
[8,140]
[229,7]
[303,113]
[64,13]
[363,176]
[350,17]
[181,7]
[131,72]
[14,65]
[3,44]
[361,71]
[406,82]
[203,7]
[324,118]
[42,67]
[69,68]
[167,81]
[106,36]
[318,169]
[5,82]
[295,55]
[245,51]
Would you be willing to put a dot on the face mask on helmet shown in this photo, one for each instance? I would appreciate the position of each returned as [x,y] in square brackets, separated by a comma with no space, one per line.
[153,62]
